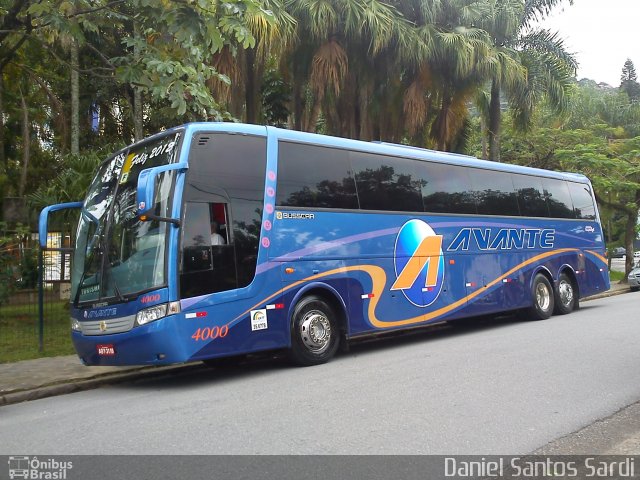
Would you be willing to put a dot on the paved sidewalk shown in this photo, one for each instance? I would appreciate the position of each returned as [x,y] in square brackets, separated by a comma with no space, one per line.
[45,377]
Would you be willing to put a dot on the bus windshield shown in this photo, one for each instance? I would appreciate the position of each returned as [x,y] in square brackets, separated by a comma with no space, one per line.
[118,255]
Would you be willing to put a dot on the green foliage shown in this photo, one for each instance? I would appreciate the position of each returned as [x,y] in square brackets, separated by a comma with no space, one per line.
[629,81]
[6,271]
[72,182]
[598,138]
[169,58]
[276,94]
[28,271]
[17,264]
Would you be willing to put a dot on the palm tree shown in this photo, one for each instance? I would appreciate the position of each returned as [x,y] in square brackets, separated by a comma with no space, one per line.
[333,64]
[274,29]
[451,60]
[531,64]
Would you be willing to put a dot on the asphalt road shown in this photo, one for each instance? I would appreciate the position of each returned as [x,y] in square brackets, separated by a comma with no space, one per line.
[499,387]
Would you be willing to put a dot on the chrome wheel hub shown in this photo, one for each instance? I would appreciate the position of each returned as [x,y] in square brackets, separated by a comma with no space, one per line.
[565,290]
[315,331]
[543,296]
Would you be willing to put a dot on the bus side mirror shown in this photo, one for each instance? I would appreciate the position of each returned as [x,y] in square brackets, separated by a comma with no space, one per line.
[44,218]
[145,193]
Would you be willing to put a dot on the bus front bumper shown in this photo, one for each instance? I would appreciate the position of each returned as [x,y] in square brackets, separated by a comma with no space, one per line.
[151,344]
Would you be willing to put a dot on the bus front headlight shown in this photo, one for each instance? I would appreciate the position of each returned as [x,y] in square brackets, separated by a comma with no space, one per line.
[156,312]
[75,325]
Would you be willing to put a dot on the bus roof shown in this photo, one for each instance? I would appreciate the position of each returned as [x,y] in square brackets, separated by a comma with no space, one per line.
[383,148]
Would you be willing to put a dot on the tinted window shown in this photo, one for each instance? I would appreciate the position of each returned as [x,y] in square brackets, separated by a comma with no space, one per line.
[312,176]
[230,169]
[446,189]
[558,198]
[494,192]
[530,194]
[386,183]
[582,201]
[195,238]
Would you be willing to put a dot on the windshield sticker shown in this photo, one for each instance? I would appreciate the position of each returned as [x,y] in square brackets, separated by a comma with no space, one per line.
[127,168]
[141,157]
[90,289]
[259,320]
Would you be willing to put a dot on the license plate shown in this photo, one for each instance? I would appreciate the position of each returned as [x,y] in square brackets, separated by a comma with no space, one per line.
[106,349]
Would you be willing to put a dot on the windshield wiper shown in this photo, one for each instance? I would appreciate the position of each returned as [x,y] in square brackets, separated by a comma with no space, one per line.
[121,297]
[94,246]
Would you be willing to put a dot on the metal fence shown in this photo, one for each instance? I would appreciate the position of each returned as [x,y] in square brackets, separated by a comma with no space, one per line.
[34,314]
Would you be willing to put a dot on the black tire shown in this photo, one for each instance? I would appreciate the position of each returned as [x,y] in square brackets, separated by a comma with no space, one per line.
[542,294]
[315,336]
[566,295]
[634,289]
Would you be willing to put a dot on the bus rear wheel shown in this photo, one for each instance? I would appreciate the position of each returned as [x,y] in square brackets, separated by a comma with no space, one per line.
[543,301]
[565,295]
[315,336]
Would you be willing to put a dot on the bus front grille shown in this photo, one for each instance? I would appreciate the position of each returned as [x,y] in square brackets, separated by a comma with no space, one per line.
[108,326]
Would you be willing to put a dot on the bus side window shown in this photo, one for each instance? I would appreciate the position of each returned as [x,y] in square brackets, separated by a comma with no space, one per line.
[219,231]
[196,246]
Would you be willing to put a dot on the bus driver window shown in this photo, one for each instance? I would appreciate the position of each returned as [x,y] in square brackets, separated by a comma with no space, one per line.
[218,224]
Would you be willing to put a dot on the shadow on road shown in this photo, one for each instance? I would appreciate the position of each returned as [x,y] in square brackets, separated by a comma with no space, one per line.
[244,368]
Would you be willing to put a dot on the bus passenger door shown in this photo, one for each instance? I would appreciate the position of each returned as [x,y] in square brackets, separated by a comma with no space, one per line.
[208,260]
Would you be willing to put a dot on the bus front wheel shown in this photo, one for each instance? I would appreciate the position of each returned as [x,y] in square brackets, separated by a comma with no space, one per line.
[566,299]
[315,336]
[543,301]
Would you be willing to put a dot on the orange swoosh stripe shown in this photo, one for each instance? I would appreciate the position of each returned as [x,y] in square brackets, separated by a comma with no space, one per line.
[379,280]
[596,254]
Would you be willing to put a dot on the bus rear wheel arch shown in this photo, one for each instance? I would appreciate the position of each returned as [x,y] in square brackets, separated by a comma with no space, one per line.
[315,331]
[566,294]
[543,298]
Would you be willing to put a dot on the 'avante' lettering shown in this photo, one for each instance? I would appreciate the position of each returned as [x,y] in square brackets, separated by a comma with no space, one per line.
[504,239]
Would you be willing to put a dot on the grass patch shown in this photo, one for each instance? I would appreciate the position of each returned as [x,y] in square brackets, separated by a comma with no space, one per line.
[19,332]
[615,276]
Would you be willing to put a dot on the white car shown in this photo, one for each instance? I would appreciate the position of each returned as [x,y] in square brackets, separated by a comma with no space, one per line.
[634,278]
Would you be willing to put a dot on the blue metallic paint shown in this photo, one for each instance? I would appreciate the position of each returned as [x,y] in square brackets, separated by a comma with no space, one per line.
[335,240]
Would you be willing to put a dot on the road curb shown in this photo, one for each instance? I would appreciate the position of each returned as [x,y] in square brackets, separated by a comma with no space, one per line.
[79,385]
[609,293]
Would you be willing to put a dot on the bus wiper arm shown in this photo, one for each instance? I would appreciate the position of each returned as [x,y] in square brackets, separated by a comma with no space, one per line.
[96,247]
[121,297]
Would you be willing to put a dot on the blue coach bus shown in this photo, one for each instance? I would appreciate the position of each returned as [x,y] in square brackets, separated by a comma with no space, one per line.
[219,239]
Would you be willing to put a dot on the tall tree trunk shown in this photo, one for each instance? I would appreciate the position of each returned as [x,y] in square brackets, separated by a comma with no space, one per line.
[297,107]
[483,135]
[137,94]
[26,144]
[138,131]
[312,121]
[442,125]
[494,122]
[250,87]
[3,158]
[629,237]
[75,99]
